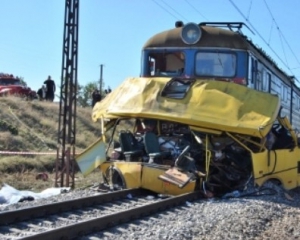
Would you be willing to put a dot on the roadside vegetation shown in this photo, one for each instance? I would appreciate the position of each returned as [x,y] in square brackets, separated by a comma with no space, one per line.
[32,126]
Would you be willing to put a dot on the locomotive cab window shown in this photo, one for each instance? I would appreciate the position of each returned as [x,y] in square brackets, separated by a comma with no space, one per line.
[162,64]
[215,64]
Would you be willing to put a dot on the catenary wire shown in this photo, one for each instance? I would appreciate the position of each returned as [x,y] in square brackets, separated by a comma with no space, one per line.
[192,6]
[158,4]
[281,33]
[249,10]
[247,19]
[237,8]
[175,11]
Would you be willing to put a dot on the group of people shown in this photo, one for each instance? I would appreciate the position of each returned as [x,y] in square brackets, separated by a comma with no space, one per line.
[47,91]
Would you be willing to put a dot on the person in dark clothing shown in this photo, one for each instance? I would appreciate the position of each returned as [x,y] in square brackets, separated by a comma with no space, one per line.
[50,89]
[40,94]
[96,97]
[107,91]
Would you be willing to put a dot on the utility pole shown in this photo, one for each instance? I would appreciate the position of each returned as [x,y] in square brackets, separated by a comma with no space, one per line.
[101,80]
[65,161]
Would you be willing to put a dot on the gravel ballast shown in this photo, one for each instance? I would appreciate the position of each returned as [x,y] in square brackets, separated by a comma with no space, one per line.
[273,215]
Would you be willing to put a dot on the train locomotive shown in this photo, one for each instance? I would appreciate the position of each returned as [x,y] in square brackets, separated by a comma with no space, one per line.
[210,51]
[209,112]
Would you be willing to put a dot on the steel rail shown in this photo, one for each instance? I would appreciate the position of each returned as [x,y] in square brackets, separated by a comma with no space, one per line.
[97,224]
[53,208]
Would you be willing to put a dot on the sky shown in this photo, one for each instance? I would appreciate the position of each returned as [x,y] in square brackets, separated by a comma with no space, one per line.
[113,32]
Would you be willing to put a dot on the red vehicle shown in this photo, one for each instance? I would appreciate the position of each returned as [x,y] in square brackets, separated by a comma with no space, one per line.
[11,85]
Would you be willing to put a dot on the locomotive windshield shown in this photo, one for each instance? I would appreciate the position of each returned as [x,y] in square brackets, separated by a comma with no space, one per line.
[166,64]
[215,64]
[189,62]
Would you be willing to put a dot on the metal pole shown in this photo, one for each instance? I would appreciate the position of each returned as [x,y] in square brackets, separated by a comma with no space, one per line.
[66,136]
[101,80]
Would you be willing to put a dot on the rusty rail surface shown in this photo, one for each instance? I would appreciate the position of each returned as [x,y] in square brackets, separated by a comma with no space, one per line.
[97,224]
[40,211]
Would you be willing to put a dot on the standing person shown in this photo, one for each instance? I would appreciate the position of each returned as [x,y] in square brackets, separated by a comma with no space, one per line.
[44,89]
[50,89]
[96,97]
[40,93]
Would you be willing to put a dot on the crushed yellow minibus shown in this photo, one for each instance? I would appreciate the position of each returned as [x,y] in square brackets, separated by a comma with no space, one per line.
[177,135]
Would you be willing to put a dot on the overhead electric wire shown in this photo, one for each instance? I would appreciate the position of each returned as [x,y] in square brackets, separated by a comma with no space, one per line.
[249,9]
[247,19]
[280,38]
[168,10]
[270,35]
[236,7]
[281,32]
[196,10]
[174,10]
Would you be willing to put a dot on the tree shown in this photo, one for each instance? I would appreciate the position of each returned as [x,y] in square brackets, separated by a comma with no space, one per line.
[84,94]
[22,81]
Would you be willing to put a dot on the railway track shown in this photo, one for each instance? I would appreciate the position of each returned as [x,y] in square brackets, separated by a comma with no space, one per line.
[79,217]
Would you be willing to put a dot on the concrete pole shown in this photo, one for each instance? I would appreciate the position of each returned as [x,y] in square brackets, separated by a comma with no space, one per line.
[101,80]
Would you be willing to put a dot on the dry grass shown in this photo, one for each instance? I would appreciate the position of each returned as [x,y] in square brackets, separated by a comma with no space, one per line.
[26,180]
[36,124]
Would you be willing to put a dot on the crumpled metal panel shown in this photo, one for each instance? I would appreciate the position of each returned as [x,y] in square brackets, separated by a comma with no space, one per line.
[217,105]
[282,166]
[151,181]
[131,172]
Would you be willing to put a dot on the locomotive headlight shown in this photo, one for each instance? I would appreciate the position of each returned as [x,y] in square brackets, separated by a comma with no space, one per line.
[191,33]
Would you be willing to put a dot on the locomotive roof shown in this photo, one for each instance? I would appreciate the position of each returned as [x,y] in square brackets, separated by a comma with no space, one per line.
[211,37]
